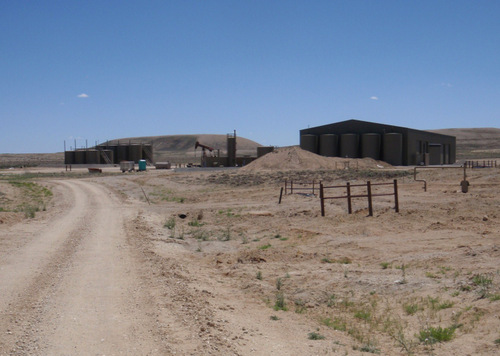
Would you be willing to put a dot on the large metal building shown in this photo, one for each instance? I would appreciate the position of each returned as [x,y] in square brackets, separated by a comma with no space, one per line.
[399,146]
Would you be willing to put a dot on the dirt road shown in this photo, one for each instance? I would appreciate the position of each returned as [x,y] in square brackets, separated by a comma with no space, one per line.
[88,277]
[69,283]
[214,266]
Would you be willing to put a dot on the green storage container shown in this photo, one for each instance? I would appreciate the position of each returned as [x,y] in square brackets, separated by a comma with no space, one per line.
[142,165]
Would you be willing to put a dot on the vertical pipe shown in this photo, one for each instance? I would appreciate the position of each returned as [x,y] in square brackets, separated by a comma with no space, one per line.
[369,189]
[291,186]
[396,198]
[349,202]
[321,199]
[281,195]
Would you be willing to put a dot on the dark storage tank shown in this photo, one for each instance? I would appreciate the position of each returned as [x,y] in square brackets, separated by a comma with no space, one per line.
[393,148]
[114,153]
[107,157]
[135,153]
[309,143]
[80,157]
[92,157]
[349,145]
[328,145]
[370,145]
[69,157]
[147,152]
[446,159]
[121,153]
[261,151]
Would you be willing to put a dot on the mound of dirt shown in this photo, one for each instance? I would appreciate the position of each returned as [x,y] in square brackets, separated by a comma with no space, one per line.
[295,158]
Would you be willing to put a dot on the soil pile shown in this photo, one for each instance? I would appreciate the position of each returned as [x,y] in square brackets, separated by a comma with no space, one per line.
[295,158]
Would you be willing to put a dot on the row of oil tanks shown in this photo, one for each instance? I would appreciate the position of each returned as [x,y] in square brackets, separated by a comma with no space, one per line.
[111,154]
[387,147]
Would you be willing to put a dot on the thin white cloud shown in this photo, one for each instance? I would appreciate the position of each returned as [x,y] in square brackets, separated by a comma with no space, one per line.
[448,85]
[374,97]
[82,95]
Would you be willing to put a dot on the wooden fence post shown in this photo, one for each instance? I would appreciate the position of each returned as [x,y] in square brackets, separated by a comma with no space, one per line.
[369,190]
[349,202]
[321,198]
[291,186]
[281,195]
[396,198]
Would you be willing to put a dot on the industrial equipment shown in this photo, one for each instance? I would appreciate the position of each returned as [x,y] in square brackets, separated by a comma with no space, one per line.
[204,148]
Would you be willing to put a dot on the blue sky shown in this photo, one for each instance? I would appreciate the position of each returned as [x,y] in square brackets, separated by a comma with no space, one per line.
[97,70]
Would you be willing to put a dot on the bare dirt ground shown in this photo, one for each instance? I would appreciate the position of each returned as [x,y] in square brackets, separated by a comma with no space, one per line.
[208,263]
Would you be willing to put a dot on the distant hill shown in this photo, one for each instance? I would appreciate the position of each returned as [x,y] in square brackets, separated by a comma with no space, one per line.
[474,143]
[179,148]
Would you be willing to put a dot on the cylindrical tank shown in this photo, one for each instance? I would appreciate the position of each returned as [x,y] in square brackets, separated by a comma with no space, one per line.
[114,154]
[135,153]
[370,145]
[92,157]
[393,148]
[328,145]
[121,153]
[446,158]
[142,165]
[147,151]
[69,157]
[80,157]
[231,151]
[261,151]
[109,156]
[309,143]
[349,145]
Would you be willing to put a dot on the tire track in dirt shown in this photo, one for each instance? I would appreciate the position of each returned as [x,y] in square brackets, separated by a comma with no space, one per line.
[29,273]
[77,290]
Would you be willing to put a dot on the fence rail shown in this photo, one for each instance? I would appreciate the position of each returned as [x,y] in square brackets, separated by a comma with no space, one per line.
[349,196]
[292,187]
[481,164]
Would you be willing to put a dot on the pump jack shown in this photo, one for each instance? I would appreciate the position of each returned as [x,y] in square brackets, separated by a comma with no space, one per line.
[203,150]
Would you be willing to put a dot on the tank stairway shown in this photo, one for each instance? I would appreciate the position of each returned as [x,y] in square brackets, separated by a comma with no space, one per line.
[147,153]
[106,158]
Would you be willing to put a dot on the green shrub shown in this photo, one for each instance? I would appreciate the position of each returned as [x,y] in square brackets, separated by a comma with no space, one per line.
[315,336]
[335,324]
[280,303]
[432,335]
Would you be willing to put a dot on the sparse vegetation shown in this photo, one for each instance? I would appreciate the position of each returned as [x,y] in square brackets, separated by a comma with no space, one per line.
[385,265]
[265,247]
[432,335]
[170,223]
[279,283]
[315,336]
[280,303]
[195,223]
[335,323]
[411,308]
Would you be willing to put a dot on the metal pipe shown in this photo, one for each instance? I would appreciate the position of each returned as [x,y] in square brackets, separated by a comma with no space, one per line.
[441,167]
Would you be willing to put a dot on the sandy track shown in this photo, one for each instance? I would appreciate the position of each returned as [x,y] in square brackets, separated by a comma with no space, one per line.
[71,285]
